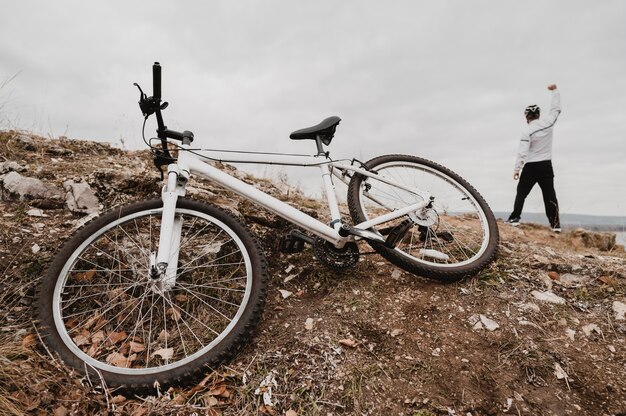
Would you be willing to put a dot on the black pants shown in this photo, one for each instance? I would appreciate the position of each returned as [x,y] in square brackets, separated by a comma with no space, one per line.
[541,173]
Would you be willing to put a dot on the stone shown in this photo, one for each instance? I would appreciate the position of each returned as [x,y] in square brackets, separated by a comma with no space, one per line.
[559,372]
[489,324]
[529,307]
[40,194]
[572,280]
[26,142]
[598,240]
[59,151]
[589,329]
[80,197]
[11,166]
[619,308]
[548,297]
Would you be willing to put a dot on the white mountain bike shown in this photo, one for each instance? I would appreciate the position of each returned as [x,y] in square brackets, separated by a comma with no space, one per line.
[159,290]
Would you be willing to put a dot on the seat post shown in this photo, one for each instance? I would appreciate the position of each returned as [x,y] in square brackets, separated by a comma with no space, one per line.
[320,149]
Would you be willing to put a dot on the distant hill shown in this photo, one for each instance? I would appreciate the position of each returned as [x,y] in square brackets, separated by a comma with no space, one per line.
[589,222]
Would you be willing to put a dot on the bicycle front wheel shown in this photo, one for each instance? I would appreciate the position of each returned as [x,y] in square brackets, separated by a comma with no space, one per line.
[456,236]
[104,312]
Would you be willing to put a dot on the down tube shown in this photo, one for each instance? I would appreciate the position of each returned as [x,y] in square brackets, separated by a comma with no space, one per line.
[274,205]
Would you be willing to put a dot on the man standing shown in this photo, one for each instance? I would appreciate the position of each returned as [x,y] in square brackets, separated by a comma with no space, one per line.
[534,160]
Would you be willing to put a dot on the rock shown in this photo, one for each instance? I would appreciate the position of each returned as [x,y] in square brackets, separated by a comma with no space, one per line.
[548,297]
[597,240]
[620,310]
[285,293]
[549,251]
[10,166]
[308,324]
[482,321]
[541,259]
[559,372]
[59,151]
[530,307]
[490,325]
[26,142]
[396,332]
[80,197]
[572,280]
[589,329]
[39,193]
[35,212]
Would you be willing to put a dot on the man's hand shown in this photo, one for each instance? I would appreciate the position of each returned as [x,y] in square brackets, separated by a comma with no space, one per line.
[552,87]
[516,176]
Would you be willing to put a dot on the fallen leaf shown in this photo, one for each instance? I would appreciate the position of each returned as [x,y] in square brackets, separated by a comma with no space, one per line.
[98,337]
[181,298]
[91,321]
[268,410]
[210,401]
[179,399]
[140,411]
[118,399]
[81,339]
[118,360]
[60,411]
[85,277]
[29,341]
[554,276]
[136,347]
[174,314]
[348,342]
[115,337]
[217,390]
[608,280]
[164,353]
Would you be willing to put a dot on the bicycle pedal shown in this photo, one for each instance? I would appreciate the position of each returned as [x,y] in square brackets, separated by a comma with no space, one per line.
[293,242]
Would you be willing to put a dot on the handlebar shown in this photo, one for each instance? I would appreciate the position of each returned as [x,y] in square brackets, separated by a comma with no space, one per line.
[153,105]
[156,81]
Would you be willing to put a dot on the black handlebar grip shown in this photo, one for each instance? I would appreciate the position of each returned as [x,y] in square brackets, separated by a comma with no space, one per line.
[156,80]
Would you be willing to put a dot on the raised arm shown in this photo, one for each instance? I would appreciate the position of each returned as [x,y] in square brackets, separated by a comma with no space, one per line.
[555,104]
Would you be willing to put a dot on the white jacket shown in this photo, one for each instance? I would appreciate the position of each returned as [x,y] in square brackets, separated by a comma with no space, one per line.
[536,142]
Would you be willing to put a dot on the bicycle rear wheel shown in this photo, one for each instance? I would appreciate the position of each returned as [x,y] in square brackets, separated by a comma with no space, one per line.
[103,311]
[456,237]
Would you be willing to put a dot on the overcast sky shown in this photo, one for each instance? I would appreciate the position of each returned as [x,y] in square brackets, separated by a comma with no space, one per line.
[445,80]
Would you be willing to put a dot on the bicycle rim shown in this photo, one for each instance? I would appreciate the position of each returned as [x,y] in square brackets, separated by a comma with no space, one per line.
[112,315]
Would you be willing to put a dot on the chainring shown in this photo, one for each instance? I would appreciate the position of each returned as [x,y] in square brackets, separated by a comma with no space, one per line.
[336,258]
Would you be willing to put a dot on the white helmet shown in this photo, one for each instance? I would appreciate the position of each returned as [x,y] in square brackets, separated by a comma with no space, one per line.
[532,110]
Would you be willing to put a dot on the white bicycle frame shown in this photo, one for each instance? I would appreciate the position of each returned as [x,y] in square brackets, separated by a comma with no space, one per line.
[191,163]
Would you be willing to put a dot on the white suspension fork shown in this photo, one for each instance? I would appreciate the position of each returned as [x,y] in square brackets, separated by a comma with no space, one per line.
[171,226]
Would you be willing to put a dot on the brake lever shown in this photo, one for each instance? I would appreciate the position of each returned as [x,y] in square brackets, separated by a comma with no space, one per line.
[142,95]
[147,104]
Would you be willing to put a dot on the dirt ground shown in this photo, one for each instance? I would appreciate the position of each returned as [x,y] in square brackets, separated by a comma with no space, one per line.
[372,340]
